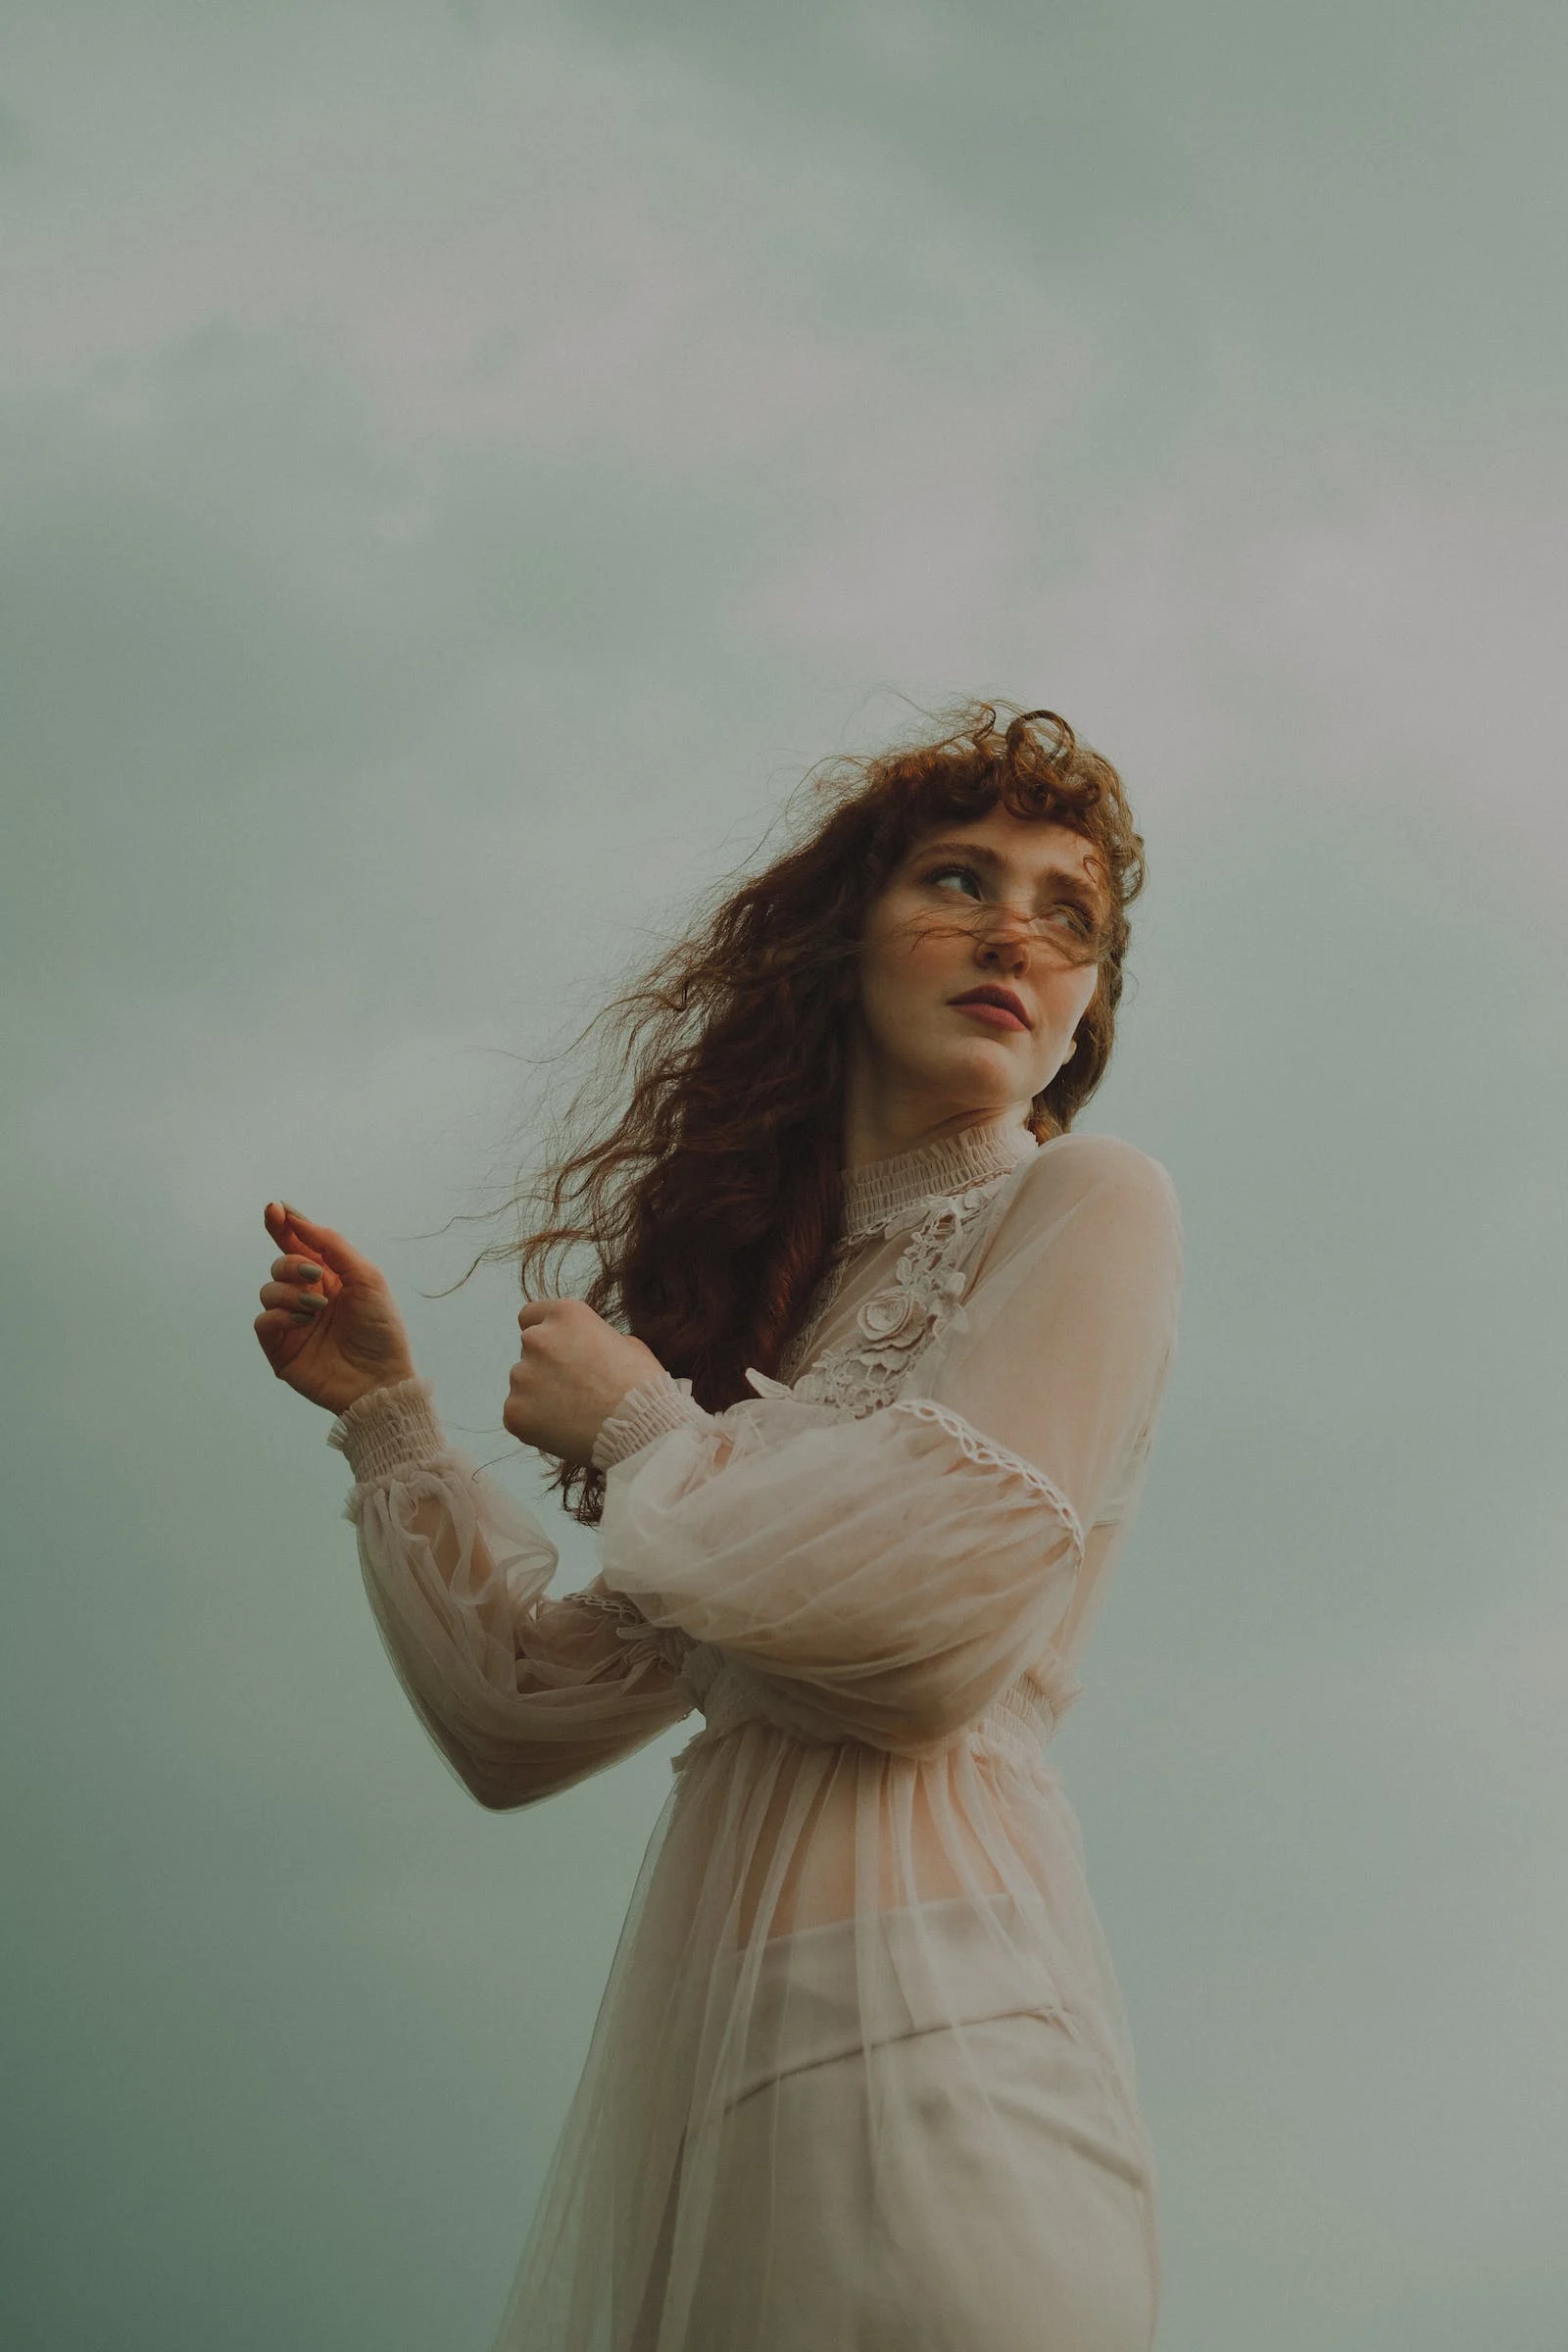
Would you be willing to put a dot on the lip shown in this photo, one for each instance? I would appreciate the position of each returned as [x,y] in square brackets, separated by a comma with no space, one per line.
[998,1015]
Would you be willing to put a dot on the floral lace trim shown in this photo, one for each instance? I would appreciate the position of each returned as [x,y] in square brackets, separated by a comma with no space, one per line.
[896,1323]
[976,1448]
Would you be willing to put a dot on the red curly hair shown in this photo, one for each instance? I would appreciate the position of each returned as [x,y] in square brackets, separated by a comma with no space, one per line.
[710,1200]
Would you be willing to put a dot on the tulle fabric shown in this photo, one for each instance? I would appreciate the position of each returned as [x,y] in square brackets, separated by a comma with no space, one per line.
[861,2074]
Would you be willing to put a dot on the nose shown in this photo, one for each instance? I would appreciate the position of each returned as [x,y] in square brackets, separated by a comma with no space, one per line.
[1007,942]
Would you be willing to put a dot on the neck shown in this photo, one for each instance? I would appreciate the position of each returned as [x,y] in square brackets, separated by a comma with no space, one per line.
[896,1121]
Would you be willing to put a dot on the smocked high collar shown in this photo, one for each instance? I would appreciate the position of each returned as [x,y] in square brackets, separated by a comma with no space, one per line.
[878,1190]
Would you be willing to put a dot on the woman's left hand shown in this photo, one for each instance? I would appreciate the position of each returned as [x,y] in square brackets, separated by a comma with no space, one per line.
[574,1368]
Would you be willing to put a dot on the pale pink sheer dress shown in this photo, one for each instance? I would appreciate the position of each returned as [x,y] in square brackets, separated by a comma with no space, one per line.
[861,2077]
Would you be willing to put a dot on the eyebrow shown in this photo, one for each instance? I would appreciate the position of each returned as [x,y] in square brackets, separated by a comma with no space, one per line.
[975,853]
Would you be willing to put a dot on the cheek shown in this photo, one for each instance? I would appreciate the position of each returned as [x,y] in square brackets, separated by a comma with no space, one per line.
[884,967]
[1068,998]
[899,979]
[904,952]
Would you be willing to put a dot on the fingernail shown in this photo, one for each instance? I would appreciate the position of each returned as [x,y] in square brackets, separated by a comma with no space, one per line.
[309,1273]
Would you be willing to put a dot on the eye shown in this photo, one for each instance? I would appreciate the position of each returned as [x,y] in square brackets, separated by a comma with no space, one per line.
[939,872]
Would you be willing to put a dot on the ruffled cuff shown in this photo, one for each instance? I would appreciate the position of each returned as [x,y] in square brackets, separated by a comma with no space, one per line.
[643,1414]
[388,1430]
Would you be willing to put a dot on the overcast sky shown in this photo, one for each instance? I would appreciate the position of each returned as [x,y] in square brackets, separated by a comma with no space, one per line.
[460,466]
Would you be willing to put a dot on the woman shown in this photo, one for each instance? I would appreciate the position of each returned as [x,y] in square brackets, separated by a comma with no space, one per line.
[864,1426]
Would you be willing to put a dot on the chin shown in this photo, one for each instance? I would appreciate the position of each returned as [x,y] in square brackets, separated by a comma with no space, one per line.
[998,1059]
[986,1082]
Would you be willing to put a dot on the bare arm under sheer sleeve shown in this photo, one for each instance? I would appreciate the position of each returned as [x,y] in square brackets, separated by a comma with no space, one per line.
[522,1695]
[893,1574]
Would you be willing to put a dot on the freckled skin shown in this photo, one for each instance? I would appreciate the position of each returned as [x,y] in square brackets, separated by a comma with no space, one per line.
[918,1069]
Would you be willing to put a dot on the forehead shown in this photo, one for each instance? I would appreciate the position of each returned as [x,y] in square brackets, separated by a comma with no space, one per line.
[1033,847]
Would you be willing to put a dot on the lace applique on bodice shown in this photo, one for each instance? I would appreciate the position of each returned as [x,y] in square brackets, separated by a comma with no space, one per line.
[896,1323]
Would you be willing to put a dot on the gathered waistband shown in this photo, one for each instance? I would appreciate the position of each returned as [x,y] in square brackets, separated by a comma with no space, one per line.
[1015,1729]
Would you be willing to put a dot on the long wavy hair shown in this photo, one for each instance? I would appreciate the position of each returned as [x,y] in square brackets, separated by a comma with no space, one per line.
[696,1176]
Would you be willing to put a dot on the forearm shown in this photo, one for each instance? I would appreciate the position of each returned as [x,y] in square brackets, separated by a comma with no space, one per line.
[523,1694]
[393,1430]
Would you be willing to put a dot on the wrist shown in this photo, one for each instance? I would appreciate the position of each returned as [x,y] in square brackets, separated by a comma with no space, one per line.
[393,1378]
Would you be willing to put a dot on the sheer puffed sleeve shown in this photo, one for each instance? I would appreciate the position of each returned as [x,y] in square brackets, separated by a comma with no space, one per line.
[522,1695]
[893,1574]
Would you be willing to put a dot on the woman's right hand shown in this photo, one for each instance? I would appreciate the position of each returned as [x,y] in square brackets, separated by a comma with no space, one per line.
[329,1324]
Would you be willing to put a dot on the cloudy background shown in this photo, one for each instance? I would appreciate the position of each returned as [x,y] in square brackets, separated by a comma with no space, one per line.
[460,467]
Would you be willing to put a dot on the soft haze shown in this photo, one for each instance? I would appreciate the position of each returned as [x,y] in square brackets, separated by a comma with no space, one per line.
[461,468]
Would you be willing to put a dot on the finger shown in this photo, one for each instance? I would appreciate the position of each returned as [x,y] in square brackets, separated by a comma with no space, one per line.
[539,1311]
[296,1269]
[279,1335]
[288,1295]
[326,1245]
[307,1274]
[281,1228]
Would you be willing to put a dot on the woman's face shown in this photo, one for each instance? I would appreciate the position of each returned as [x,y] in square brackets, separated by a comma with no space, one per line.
[1006,903]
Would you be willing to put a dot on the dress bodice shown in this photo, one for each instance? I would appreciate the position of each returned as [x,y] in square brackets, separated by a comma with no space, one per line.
[914,1228]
